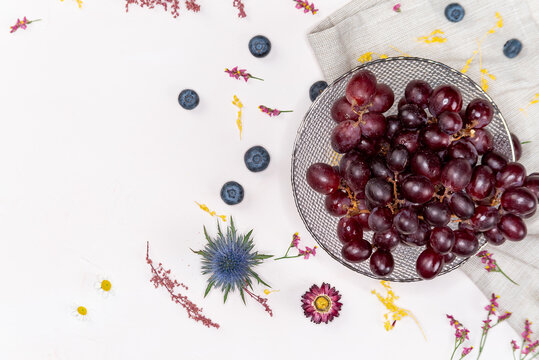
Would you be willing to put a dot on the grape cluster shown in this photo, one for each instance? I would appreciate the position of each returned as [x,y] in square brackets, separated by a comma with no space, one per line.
[427,176]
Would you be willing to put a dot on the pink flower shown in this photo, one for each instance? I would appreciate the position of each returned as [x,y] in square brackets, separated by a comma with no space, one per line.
[530,348]
[514,345]
[307,252]
[321,304]
[505,316]
[239,5]
[527,331]
[397,8]
[452,320]
[466,351]
[272,112]
[295,240]
[300,4]
[21,24]
[236,74]
[486,325]
[486,258]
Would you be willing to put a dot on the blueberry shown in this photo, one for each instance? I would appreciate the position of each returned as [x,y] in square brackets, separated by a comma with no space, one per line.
[317,88]
[256,159]
[512,48]
[232,193]
[454,12]
[188,99]
[259,46]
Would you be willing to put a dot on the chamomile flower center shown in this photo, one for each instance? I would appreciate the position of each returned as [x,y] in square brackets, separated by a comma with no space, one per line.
[81,310]
[106,285]
[322,303]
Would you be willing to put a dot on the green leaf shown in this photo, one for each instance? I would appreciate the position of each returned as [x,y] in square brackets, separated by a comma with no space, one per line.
[199,252]
[226,293]
[525,142]
[242,296]
[219,229]
[210,285]
[247,236]
[206,235]
[260,281]
[232,225]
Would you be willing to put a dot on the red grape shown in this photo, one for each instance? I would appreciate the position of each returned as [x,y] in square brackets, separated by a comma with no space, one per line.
[383,99]
[412,116]
[482,183]
[434,138]
[441,240]
[448,258]
[450,122]
[520,201]
[386,240]
[417,189]
[466,243]
[379,169]
[361,88]
[482,140]
[380,219]
[379,191]
[517,146]
[382,263]
[445,98]
[408,138]
[462,205]
[419,238]
[512,227]
[456,174]
[368,146]
[345,136]
[393,126]
[373,125]
[484,218]
[323,178]
[349,229]
[362,218]
[463,149]
[436,213]
[427,164]
[418,92]
[494,236]
[401,103]
[397,158]
[532,183]
[356,251]
[342,111]
[347,159]
[429,264]
[357,174]
[479,113]
[511,175]
[338,203]
[494,160]
[406,221]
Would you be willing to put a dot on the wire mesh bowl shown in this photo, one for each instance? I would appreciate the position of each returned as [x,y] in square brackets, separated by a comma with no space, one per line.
[313,145]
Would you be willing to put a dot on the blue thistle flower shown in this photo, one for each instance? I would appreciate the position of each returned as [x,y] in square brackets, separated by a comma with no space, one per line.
[229,259]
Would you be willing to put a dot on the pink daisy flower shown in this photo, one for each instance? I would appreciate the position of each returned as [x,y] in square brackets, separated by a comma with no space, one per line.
[321,304]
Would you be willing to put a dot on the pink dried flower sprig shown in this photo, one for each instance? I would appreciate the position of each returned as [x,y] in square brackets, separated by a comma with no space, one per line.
[240,73]
[461,335]
[306,253]
[239,5]
[22,24]
[272,112]
[491,265]
[300,4]
[492,309]
[527,346]
[174,5]
[397,8]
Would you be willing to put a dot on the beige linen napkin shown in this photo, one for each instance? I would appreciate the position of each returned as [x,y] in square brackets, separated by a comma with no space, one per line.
[365,26]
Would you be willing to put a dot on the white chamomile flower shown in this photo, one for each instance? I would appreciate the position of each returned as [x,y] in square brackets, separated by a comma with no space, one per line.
[104,286]
[80,312]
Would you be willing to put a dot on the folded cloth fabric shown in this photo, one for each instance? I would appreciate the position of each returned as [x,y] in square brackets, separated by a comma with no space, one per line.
[368,29]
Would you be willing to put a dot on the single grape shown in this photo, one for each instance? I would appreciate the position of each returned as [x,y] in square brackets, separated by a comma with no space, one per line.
[345,136]
[393,126]
[397,158]
[349,158]
[427,164]
[342,111]
[380,219]
[436,213]
[429,264]
[441,240]
[494,160]
[418,92]
[462,205]
[401,103]
[349,229]
[382,263]
[357,174]
[379,169]
[356,251]
[412,116]
[517,146]
[337,203]
[494,236]
[418,238]
[512,227]
[362,218]
[448,258]
[434,138]
[417,189]
[373,125]
[383,99]
[379,191]
[456,174]
[484,218]
[445,98]
[511,175]
[519,201]
[463,149]
[450,122]
[479,113]
[483,141]
[368,146]
[323,178]
[532,183]
[406,221]
[386,240]
[361,88]
[482,183]
[408,138]
[466,243]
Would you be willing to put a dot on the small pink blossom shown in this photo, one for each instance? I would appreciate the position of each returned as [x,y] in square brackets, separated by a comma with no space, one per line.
[272,112]
[21,24]
[530,348]
[466,351]
[300,4]
[241,73]
[514,345]
[527,331]
[239,5]
[295,240]
[397,8]
[505,316]
[307,252]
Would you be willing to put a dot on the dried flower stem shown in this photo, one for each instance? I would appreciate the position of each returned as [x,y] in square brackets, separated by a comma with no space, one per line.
[261,300]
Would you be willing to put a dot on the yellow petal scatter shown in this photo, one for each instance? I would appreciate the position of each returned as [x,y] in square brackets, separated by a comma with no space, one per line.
[394,311]
[433,37]
[236,102]
[368,57]
[335,159]
[535,100]
[203,207]
[79,3]
[268,291]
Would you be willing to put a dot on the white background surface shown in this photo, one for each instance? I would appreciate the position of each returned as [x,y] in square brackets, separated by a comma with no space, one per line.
[97,158]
